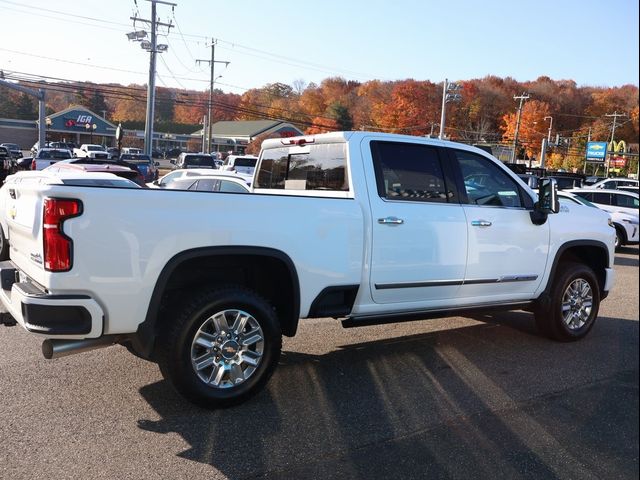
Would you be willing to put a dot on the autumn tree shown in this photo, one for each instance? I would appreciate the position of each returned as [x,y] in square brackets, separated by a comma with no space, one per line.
[532,126]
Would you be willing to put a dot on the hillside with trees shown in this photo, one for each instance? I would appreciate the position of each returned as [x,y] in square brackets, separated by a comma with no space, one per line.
[485,114]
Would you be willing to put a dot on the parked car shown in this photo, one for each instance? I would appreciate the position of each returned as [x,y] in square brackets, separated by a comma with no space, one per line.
[144,164]
[615,183]
[83,165]
[195,160]
[566,180]
[88,150]
[48,156]
[172,153]
[243,165]
[211,183]
[530,180]
[627,231]
[588,181]
[113,153]
[7,163]
[24,163]
[14,150]
[68,145]
[611,200]
[164,181]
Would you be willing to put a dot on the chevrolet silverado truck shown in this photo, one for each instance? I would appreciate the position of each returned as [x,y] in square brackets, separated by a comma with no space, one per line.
[367,228]
[91,151]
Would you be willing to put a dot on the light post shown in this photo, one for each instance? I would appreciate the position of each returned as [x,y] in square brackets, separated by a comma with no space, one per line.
[550,125]
[90,127]
[449,94]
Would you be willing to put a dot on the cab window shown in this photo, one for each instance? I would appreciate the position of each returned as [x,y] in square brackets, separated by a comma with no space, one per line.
[409,172]
[485,183]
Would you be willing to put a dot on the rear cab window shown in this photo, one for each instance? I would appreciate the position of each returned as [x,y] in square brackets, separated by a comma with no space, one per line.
[311,170]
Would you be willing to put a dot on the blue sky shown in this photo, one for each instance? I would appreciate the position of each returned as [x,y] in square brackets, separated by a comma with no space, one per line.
[592,42]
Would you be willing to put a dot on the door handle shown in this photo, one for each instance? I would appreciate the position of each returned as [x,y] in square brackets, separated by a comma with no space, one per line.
[480,223]
[390,221]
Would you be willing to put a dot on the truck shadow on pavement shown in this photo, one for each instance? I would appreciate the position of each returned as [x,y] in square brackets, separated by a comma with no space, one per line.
[484,401]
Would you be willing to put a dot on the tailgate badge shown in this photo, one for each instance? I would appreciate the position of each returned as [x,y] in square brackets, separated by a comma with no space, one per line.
[36,258]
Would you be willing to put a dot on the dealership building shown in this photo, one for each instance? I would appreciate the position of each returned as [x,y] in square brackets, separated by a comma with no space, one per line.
[80,125]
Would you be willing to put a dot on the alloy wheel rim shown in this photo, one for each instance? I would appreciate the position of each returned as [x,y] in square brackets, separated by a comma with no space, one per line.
[577,303]
[227,349]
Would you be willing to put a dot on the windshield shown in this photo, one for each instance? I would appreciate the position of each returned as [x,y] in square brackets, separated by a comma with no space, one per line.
[245,162]
[55,154]
[199,160]
[95,148]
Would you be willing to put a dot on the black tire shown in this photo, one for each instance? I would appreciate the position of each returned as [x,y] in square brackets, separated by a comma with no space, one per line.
[621,239]
[178,346]
[4,246]
[556,324]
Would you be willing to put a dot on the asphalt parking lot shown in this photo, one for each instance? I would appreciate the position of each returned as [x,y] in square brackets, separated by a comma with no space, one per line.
[449,398]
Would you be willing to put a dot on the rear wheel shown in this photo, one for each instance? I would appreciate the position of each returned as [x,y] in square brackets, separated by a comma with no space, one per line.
[620,238]
[221,348]
[575,300]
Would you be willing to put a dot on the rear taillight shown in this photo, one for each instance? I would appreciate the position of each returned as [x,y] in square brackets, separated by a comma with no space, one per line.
[33,164]
[58,248]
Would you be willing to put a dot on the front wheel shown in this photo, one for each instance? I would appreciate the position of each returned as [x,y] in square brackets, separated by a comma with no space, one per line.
[221,348]
[575,300]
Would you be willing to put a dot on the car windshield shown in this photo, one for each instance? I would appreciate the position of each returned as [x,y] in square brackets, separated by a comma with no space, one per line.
[199,160]
[245,162]
[95,148]
[11,146]
[54,154]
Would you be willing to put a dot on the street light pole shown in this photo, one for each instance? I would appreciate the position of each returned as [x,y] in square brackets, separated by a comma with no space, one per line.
[522,98]
[550,125]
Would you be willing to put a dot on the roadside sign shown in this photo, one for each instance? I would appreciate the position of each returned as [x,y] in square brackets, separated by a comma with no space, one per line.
[596,151]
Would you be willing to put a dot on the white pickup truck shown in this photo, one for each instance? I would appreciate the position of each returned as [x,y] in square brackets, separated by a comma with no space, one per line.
[91,151]
[365,227]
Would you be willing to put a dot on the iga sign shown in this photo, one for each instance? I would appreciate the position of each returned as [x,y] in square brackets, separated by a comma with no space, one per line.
[79,122]
[596,151]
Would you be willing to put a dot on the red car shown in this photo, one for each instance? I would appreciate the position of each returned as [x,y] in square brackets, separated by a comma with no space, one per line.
[117,168]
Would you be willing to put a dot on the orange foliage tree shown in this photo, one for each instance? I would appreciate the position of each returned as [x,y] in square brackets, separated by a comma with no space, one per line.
[533,127]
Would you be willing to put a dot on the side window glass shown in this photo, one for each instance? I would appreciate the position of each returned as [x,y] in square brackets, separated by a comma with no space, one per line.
[625,201]
[409,171]
[232,187]
[486,183]
[610,184]
[602,198]
[205,185]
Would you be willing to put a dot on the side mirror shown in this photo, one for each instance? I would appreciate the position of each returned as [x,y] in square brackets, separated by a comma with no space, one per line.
[172,162]
[547,201]
[548,196]
[157,164]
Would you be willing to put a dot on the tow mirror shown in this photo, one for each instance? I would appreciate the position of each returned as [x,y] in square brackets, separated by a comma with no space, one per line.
[547,201]
[548,196]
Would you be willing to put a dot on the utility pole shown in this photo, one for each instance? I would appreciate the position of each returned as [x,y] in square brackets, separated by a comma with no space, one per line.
[522,98]
[615,116]
[212,80]
[153,48]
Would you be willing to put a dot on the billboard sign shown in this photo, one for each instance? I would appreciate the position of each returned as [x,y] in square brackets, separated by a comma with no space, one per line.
[596,151]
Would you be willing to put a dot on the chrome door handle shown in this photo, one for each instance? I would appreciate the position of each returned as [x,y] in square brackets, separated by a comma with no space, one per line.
[390,221]
[480,223]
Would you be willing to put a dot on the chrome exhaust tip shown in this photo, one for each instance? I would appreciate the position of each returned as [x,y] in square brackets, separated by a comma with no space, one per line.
[61,348]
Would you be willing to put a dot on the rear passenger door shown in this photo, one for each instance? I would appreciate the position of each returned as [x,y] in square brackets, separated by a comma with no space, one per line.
[419,233]
[507,253]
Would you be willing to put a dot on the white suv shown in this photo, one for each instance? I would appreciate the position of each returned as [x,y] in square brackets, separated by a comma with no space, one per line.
[611,200]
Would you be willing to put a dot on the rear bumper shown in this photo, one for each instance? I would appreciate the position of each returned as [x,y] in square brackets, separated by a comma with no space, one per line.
[59,316]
